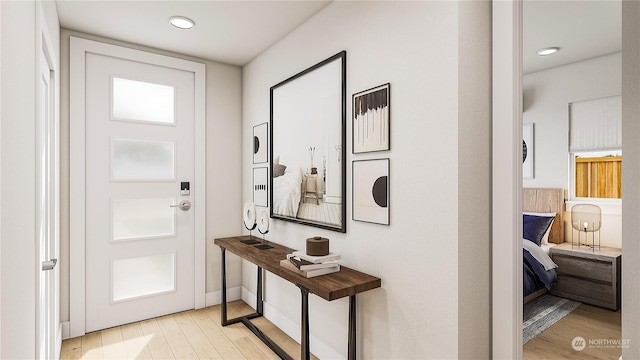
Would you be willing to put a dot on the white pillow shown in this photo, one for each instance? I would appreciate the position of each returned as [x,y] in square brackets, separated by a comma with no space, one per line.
[539,254]
[545,238]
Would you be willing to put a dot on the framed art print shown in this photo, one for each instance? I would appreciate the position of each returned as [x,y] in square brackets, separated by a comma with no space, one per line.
[371,191]
[527,151]
[371,119]
[260,189]
[260,136]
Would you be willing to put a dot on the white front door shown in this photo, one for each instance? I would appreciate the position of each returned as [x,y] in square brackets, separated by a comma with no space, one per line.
[140,155]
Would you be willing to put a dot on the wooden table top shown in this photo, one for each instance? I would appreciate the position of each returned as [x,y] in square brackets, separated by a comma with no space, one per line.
[345,282]
[602,252]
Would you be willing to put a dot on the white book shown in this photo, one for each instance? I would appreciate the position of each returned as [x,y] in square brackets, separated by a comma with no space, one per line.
[318,272]
[316,259]
[308,265]
[309,273]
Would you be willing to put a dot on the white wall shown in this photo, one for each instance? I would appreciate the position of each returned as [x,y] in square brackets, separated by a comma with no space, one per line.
[474,179]
[17,210]
[414,46]
[223,124]
[0,178]
[547,95]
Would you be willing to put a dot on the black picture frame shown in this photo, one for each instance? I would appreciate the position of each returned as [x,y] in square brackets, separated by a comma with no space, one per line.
[331,155]
[371,120]
[260,143]
[261,186]
[371,190]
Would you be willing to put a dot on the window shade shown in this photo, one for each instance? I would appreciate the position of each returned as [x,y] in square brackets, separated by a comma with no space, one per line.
[595,125]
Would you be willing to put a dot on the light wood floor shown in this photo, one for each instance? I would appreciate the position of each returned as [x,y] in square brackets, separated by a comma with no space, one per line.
[324,212]
[195,334]
[587,321]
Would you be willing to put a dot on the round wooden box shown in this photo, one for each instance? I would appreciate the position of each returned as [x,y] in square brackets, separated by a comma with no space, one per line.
[317,246]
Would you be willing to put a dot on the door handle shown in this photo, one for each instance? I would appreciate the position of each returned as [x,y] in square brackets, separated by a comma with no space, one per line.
[49,265]
[184,205]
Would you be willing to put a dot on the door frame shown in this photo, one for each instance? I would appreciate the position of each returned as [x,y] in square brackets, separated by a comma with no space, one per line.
[77,54]
[631,174]
[46,57]
[507,180]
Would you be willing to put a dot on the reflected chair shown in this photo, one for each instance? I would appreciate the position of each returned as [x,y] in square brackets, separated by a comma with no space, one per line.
[311,188]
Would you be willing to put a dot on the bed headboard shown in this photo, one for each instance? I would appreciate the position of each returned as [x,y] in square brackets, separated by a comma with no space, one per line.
[546,201]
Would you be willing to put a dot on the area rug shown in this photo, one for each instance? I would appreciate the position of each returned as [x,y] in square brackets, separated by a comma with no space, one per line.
[542,312]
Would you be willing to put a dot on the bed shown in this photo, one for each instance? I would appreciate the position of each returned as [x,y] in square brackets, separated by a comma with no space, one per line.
[540,206]
[287,189]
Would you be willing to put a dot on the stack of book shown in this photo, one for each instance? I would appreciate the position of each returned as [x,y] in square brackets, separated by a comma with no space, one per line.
[310,266]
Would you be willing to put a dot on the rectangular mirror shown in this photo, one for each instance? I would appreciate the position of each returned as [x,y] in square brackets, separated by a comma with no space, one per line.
[308,142]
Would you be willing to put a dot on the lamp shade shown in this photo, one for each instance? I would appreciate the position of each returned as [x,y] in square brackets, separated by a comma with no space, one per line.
[586,217]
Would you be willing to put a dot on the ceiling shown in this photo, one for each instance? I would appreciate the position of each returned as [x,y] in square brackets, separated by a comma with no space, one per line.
[231,32]
[581,29]
[235,32]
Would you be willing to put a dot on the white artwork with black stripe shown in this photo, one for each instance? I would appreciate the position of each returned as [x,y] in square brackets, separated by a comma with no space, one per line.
[371,120]
[260,186]
[371,191]
[260,151]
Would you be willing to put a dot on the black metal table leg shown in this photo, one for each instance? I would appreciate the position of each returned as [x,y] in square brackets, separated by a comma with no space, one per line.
[352,328]
[224,320]
[223,301]
[259,303]
[304,326]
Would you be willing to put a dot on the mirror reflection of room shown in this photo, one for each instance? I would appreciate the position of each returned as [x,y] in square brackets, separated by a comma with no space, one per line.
[307,124]
[572,179]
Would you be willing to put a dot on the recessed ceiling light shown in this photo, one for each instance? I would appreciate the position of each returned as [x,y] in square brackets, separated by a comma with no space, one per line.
[182,22]
[548,51]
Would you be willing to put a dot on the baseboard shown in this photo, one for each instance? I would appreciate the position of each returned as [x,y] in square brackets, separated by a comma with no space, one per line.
[248,297]
[318,347]
[59,340]
[65,330]
[214,297]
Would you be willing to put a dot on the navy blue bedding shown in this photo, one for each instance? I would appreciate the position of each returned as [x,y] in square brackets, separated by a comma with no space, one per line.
[535,276]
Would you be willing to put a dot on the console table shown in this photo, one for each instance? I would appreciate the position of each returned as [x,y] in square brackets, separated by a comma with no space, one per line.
[346,282]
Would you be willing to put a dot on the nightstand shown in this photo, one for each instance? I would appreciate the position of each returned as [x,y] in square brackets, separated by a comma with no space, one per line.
[591,277]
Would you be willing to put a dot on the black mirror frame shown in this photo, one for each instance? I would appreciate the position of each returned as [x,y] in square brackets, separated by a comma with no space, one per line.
[343,156]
